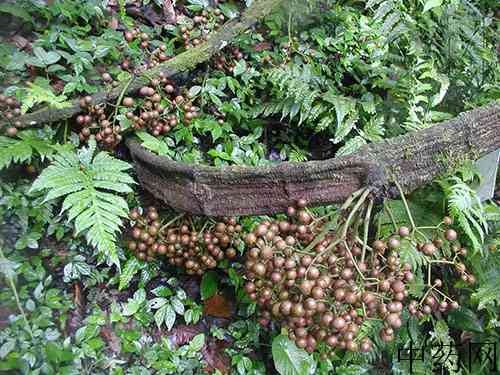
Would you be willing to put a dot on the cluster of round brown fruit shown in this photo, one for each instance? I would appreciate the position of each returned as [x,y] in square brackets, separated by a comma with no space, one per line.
[152,115]
[134,34]
[203,22]
[182,246]
[94,121]
[189,42]
[323,285]
[226,62]
[158,56]
[10,108]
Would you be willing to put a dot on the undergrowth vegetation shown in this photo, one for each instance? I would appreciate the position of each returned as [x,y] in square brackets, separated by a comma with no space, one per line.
[97,277]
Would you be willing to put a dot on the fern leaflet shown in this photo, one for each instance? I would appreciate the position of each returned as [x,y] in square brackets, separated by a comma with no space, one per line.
[22,148]
[465,207]
[89,184]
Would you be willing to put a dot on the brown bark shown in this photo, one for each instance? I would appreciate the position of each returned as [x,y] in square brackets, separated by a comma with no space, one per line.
[412,160]
[182,62]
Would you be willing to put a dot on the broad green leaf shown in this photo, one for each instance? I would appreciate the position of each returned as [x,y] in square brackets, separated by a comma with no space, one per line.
[194,90]
[160,316]
[351,370]
[154,144]
[430,4]
[177,305]
[196,344]
[169,317]
[7,347]
[289,359]
[208,285]
[17,11]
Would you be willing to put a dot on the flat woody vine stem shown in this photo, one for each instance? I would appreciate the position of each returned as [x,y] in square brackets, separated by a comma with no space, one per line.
[413,160]
[180,63]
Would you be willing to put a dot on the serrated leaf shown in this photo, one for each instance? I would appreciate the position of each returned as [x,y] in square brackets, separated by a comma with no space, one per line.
[22,148]
[90,185]
[351,146]
[131,268]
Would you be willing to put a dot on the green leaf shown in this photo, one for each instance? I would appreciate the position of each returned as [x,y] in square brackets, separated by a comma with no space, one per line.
[90,186]
[229,10]
[157,303]
[131,268]
[22,148]
[177,305]
[40,92]
[154,144]
[345,108]
[290,360]
[194,90]
[196,344]
[430,4]
[208,285]
[131,307]
[443,89]
[17,11]
[464,319]
[350,146]
[162,291]
[240,67]
[160,316]
[169,317]
[351,370]
[7,347]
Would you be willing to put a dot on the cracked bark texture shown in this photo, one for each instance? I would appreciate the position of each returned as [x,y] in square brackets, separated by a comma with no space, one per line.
[412,160]
[180,63]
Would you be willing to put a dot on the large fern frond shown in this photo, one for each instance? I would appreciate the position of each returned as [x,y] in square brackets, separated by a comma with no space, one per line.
[22,148]
[90,185]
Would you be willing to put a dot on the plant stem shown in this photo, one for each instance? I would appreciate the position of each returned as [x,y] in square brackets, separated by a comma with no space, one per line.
[12,286]
[366,226]
[389,212]
[405,203]
[170,222]
[120,98]
[353,211]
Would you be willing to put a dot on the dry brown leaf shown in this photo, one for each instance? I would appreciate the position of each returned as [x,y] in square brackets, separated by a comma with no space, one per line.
[218,306]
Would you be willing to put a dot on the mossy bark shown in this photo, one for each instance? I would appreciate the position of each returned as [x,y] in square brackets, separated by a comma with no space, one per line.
[180,63]
[412,160]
